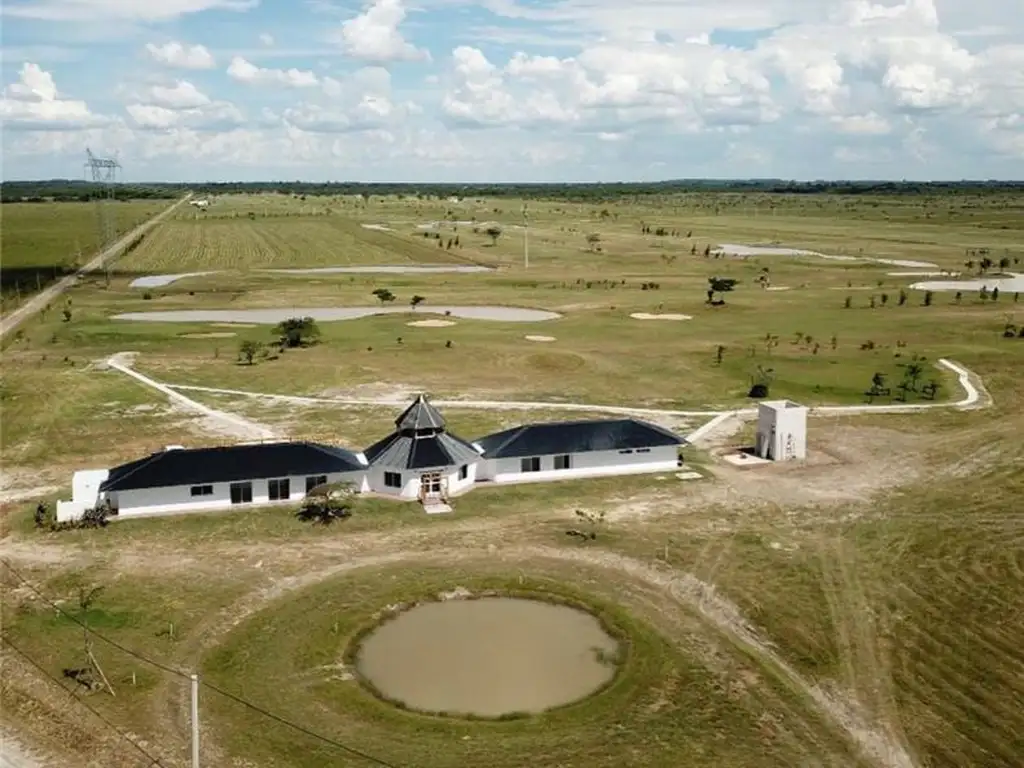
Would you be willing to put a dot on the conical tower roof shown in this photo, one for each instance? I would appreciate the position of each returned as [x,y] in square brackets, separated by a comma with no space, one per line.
[420,415]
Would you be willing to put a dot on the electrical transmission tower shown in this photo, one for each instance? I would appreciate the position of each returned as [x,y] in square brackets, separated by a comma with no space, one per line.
[104,175]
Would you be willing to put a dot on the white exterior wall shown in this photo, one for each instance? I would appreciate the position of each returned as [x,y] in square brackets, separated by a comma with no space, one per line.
[85,494]
[590,464]
[411,481]
[178,498]
[781,431]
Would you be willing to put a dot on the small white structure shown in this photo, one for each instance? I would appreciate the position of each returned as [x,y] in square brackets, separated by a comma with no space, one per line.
[420,460]
[781,430]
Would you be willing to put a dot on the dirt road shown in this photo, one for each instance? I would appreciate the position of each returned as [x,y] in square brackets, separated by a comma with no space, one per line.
[13,319]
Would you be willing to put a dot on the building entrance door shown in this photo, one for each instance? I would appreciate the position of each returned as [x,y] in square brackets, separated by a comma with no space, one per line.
[430,485]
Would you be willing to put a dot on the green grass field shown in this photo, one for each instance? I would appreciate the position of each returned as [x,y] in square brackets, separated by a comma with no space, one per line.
[860,609]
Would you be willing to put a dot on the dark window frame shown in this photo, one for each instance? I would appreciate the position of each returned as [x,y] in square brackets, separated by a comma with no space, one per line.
[563,461]
[244,490]
[279,489]
[393,479]
[464,472]
[201,490]
[315,481]
[529,464]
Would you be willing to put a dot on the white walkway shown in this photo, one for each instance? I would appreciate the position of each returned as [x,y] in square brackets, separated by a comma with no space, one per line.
[972,398]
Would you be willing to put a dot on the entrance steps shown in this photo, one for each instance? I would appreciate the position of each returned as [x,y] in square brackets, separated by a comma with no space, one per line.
[435,507]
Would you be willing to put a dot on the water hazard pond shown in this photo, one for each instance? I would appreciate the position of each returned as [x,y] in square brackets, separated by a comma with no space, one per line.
[488,657]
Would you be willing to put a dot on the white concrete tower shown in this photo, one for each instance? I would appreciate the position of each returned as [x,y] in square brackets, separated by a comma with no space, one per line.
[781,430]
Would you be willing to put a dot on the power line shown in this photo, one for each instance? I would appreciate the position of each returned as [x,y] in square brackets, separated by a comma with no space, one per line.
[302,729]
[89,629]
[71,693]
[256,708]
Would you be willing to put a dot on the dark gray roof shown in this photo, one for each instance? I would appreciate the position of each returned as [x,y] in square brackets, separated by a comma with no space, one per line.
[576,437]
[230,463]
[419,416]
[402,451]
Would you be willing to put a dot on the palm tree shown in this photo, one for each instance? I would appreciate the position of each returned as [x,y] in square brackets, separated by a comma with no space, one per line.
[415,301]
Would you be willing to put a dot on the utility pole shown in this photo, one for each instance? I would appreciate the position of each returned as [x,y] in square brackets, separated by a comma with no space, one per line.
[526,239]
[195,721]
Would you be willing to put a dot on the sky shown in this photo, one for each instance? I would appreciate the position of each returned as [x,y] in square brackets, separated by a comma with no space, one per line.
[514,90]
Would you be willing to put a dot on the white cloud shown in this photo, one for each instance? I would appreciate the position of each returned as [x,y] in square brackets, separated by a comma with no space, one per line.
[95,10]
[182,95]
[373,35]
[33,102]
[266,39]
[363,101]
[219,115]
[246,72]
[182,56]
[871,124]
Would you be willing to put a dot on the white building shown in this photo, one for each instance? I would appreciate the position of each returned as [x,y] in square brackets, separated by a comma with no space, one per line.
[781,430]
[420,460]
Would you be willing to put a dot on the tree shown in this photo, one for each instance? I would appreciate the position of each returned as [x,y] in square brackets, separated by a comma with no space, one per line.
[877,386]
[43,517]
[67,314]
[384,295]
[248,350]
[995,293]
[928,295]
[415,301]
[913,372]
[959,297]
[327,503]
[297,332]
[885,299]
[903,298]
[931,389]
[592,240]
[494,233]
[719,285]
[719,354]
[760,382]
[1004,262]
[848,302]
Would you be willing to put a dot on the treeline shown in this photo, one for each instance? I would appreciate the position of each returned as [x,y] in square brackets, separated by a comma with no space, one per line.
[72,191]
[64,189]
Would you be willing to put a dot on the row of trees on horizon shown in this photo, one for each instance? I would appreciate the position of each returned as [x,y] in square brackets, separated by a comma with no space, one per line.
[77,190]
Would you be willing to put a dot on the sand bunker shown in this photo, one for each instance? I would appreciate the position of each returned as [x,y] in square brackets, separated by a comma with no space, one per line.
[648,316]
[377,227]
[1008,283]
[777,288]
[732,249]
[382,269]
[488,657]
[219,335]
[922,274]
[331,314]
[430,323]
[157,281]
[540,338]
[235,325]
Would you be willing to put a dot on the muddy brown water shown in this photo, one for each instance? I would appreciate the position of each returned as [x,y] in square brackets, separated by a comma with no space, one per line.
[488,657]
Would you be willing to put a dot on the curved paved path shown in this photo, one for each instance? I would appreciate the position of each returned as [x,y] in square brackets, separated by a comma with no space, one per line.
[972,398]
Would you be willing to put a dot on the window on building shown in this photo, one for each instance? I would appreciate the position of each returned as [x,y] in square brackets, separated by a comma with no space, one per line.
[393,479]
[241,493]
[202,490]
[464,472]
[315,481]
[643,450]
[627,450]
[530,464]
[563,462]
[279,490]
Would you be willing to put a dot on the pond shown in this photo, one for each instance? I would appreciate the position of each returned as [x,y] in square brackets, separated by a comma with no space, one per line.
[488,657]
[328,314]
